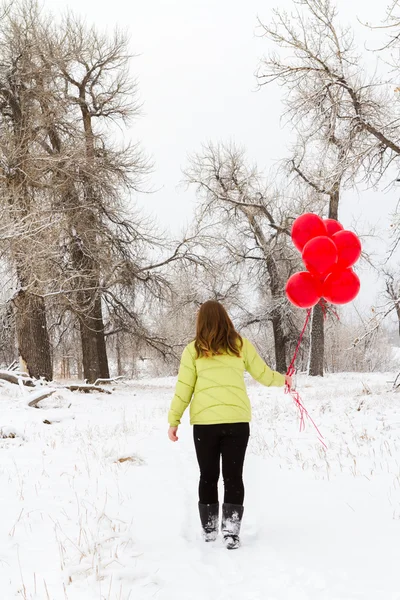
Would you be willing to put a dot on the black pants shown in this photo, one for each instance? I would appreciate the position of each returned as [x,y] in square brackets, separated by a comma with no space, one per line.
[212,442]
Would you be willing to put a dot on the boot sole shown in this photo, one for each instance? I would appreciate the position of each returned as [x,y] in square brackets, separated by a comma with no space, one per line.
[232,545]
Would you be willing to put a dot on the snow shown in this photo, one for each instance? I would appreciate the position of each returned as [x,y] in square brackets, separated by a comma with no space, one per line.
[99,504]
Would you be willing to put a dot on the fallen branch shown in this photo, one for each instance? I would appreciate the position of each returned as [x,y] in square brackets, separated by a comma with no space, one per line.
[111,380]
[396,383]
[22,379]
[12,378]
[86,388]
[36,397]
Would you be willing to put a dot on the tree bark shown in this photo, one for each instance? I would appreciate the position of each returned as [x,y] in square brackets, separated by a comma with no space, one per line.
[32,335]
[80,367]
[316,365]
[317,346]
[119,356]
[94,354]
[279,345]
[334,203]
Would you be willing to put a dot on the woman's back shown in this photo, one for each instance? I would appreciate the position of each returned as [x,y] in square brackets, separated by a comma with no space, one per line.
[217,385]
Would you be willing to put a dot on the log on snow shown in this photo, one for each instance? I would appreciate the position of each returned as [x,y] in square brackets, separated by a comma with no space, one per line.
[110,380]
[86,387]
[13,378]
[36,397]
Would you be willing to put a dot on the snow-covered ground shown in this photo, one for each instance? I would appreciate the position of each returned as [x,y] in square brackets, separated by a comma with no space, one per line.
[100,505]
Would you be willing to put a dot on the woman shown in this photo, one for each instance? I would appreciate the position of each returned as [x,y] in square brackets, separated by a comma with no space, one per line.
[212,371]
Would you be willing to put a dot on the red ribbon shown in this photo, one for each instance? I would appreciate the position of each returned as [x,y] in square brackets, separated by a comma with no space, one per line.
[327,309]
[304,414]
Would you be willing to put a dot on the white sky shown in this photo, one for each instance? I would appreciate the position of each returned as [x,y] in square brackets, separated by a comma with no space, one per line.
[196,76]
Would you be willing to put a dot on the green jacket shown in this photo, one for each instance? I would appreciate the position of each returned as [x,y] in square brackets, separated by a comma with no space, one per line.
[214,386]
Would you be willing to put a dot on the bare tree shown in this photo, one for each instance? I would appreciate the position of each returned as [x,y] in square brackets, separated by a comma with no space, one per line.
[77,246]
[251,223]
[21,189]
[342,122]
[92,72]
[323,64]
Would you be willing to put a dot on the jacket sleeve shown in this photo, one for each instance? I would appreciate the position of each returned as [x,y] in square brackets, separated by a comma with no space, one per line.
[184,388]
[258,369]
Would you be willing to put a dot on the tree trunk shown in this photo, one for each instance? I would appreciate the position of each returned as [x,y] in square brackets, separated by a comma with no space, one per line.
[101,346]
[32,335]
[94,354]
[92,331]
[334,204]
[317,346]
[279,344]
[280,339]
[316,366]
[119,356]
[65,367]
[79,368]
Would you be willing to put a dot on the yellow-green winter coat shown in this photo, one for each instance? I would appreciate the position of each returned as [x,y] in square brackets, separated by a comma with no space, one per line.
[214,386]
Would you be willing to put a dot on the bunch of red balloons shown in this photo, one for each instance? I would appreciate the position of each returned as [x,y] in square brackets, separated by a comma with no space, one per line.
[328,252]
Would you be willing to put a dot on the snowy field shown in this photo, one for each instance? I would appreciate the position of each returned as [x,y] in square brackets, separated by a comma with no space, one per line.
[99,504]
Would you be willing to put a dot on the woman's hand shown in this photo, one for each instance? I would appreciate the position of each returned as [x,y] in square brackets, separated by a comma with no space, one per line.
[172,431]
[289,381]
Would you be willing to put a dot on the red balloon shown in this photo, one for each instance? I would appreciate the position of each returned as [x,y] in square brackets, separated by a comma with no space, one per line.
[305,228]
[303,290]
[341,287]
[349,248]
[333,226]
[320,255]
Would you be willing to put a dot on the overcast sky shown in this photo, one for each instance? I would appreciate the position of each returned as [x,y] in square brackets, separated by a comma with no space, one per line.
[196,67]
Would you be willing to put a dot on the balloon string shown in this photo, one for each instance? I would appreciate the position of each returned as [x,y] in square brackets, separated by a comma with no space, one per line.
[326,308]
[294,394]
[291,369]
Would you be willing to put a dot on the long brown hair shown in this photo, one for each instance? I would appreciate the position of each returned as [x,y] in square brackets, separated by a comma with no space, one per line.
[215,333]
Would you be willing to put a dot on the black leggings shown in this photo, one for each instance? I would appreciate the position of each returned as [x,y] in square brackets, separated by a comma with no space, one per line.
[212,442]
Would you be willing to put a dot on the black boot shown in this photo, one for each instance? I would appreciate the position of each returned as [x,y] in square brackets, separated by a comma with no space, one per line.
[209,517]
[231,521]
